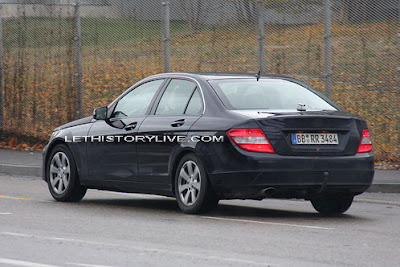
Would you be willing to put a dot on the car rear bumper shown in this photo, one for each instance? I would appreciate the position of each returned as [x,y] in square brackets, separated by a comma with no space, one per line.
[289,177]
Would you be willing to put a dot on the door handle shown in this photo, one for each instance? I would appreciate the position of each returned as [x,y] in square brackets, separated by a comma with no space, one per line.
[131,126]
[178,123]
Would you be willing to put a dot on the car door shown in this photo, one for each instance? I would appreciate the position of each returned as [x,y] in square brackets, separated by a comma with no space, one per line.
[115,157]
[179,106]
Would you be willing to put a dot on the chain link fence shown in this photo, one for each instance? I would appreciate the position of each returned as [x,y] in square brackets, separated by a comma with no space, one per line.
[60,59]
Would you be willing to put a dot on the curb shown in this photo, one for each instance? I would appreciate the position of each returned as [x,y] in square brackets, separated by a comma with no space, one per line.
[24,170]
[36,171]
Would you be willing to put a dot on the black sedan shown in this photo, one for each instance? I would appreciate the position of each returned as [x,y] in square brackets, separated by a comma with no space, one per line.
[205,137]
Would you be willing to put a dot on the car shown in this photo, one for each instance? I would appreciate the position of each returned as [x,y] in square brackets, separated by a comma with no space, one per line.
[203,137]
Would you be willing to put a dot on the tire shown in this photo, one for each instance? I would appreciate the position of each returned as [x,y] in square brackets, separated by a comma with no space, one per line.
[62,176]
[192,188]
[332,204]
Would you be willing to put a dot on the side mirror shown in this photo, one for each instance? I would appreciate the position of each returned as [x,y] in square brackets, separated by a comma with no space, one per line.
[100,113]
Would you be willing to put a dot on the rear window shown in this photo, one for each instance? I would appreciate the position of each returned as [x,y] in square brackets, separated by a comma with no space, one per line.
[267,94]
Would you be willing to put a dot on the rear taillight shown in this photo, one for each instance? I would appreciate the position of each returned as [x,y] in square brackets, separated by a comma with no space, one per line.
[251,140]
[365,144]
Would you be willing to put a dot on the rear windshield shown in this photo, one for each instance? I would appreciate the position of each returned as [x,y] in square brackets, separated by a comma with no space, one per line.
[267,94]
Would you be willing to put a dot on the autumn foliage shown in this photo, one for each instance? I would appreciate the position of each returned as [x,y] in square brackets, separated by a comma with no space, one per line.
[39,74]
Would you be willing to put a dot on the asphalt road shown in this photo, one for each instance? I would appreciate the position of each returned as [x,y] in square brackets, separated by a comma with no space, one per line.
[114,229]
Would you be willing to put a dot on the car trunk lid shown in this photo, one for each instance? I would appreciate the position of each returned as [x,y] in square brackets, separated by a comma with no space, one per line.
[281,126]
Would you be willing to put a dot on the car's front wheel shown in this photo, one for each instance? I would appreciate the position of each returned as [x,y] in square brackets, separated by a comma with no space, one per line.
[193,191]
[332,204]
[62,176]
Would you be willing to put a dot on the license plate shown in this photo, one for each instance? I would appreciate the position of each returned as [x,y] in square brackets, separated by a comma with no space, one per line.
[315,139]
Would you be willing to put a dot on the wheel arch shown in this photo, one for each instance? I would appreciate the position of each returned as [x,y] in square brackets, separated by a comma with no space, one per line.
[50,148]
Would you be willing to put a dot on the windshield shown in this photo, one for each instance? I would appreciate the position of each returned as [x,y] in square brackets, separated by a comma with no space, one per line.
[267,94]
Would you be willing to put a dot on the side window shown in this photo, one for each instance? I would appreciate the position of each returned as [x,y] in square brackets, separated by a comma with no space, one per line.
[176,97]
[137,101]
[195,105]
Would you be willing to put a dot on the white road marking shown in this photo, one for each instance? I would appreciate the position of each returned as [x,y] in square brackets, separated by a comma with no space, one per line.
[89,265]
[24,263]
[377,201]
[5,213]
[269,223]
[19,165]
[141,249]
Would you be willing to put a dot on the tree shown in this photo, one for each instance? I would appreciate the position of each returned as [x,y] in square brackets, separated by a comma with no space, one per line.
[351,11]
[360,11]
[195,10]
[246,10]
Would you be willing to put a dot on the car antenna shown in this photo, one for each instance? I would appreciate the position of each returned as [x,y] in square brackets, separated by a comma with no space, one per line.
[258,75]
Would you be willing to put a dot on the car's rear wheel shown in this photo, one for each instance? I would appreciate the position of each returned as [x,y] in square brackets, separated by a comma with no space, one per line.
[193,191]
[332,204]
[62,176]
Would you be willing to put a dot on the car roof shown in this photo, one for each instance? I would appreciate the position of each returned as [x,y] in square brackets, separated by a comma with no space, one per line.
[220,76]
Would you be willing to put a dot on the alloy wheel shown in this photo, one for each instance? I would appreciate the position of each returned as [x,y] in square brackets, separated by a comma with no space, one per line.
[189,183]
[60,172]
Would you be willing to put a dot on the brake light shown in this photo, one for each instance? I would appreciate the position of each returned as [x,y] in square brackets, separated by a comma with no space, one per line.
[366,143]
[251,140]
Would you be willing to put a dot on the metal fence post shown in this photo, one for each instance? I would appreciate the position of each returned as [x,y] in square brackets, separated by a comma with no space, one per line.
[261,35]
[78,58]
[167,37]
[2,100]
[328,47]
[398,77]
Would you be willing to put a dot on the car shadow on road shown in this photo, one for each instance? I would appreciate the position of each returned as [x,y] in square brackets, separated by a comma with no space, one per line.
[142,204]
[169,206]
[246,212]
